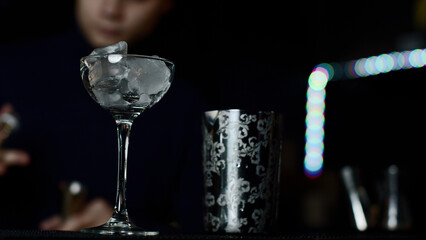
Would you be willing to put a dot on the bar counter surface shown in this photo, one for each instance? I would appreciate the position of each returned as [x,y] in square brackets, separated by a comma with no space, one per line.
[37,234]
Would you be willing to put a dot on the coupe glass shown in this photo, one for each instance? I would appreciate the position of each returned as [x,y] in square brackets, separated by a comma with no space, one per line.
[125,85]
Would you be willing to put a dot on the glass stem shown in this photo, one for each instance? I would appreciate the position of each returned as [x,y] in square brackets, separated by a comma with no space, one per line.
[123,131]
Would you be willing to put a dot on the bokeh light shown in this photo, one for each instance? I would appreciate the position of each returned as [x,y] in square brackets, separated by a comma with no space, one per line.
[327,72]
[318,78]
[314,136]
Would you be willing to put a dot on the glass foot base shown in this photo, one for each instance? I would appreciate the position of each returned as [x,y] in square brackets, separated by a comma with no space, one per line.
[119,228]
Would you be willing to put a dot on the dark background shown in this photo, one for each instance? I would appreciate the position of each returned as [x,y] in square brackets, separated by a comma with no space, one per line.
[259,54]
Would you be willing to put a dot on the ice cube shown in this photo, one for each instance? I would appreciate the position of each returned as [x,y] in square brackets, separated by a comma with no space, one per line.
[114,50]
[107,99]
[144,101]
[118,48]
[104,70]
[101,68]
[107,84]
[118,82]
[114,58]
[131,97]
[148,76]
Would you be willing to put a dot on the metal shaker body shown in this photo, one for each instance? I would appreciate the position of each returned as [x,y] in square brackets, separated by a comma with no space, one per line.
[241,157]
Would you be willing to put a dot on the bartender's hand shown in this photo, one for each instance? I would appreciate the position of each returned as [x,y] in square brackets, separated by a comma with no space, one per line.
[10,157]
[96,212]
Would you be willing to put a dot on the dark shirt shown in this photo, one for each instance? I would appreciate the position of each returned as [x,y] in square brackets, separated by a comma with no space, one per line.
[70,137]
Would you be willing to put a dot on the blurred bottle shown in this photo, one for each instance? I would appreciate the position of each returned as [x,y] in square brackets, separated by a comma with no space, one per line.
[73,197]
[358,198]
[390,212]
[396,214]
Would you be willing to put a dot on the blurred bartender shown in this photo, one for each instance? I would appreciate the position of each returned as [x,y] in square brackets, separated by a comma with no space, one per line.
[64,136]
